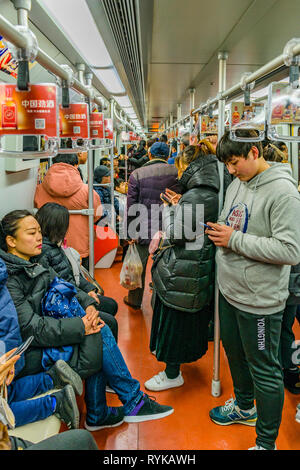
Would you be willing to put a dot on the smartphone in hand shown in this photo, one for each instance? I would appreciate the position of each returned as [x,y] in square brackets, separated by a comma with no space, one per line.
[165,198]
[22,348]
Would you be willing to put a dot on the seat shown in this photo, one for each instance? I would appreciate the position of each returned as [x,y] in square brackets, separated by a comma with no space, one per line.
[105,246]
[39,430]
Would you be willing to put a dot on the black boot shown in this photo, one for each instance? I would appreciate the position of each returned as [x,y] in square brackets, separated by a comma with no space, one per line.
[291,379]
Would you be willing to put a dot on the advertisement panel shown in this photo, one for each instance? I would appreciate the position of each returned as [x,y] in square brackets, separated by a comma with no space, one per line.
[97,126]
[74,122]
[32,112]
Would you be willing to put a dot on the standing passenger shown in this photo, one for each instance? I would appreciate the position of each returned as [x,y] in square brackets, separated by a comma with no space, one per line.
[144,189]
[183,273]
[258,239]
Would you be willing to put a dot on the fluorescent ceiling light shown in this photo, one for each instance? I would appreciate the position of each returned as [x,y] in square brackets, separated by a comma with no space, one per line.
[110,80]
[76,20]
[131,115]
[123,101]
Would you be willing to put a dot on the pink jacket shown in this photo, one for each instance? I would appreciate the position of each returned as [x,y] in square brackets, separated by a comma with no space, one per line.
[63,185]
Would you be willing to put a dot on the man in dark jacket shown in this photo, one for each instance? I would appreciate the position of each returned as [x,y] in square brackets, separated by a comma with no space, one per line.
[144,189]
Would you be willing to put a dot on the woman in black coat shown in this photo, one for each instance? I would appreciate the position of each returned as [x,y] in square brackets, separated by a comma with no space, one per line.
[96,356]
[54,222]
[183,268]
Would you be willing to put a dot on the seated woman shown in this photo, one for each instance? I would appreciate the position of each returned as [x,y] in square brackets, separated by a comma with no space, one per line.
[19,391]
[54,222]
[183,271]
[96,356]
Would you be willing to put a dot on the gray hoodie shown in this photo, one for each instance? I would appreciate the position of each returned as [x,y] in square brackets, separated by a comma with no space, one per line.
[253,272]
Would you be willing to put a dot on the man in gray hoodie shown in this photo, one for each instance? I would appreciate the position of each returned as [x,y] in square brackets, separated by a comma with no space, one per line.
[258,239]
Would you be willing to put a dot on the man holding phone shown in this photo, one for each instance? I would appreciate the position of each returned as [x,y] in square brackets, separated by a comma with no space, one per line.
[258,240]
[145,186]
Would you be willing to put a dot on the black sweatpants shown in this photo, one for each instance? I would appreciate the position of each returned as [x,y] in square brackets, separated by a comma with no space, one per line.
[251,343]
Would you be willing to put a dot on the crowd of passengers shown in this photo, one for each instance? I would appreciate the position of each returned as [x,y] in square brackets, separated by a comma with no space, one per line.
[254,241]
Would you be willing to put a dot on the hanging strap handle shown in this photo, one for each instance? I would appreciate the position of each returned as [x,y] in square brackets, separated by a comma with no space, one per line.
[23,75]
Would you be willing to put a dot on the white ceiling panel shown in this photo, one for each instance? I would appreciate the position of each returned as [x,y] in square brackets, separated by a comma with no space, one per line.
[192,32]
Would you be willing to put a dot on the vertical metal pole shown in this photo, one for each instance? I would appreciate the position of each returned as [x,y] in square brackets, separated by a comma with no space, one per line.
[192,106]
[91,163]
[216,384]
[179,111]
[91,210]
[112,194]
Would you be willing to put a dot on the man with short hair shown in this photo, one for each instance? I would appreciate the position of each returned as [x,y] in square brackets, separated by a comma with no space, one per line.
[144,189]
[258,239]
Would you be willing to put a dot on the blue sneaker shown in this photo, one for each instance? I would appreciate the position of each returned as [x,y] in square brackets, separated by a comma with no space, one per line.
[115,417]
[230,413]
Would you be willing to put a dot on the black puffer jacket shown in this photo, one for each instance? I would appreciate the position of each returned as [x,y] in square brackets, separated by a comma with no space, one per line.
[27,283]
[183,272]
[54,256]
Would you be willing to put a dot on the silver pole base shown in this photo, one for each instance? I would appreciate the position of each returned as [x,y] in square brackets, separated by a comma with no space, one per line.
[216,388]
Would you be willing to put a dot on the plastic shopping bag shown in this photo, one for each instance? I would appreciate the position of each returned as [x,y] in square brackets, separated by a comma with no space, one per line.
[131,272]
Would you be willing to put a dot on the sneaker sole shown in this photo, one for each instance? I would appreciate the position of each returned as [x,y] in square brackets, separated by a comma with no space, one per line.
[70,376]
[250,422]
[97,428]
[70,395]
[160,389]
[141,419]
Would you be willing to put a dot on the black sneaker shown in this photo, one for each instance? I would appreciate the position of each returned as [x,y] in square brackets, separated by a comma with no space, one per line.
[62,374]
[291,380]
[147,409]
[66,407]
[114,418]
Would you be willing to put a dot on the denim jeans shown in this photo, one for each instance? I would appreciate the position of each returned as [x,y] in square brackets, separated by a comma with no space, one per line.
[25,410]
[115,372]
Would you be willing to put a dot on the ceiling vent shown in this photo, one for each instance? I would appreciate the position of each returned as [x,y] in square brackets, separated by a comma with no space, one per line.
[123,19]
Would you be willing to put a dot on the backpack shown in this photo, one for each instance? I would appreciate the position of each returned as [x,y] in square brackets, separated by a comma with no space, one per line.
[60,302]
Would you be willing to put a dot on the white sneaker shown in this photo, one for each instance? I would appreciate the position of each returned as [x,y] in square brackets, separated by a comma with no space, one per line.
[297,417]
[161,382]
[260,448]
[108,389]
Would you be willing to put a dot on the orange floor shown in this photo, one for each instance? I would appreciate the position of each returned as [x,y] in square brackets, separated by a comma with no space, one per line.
[189,427]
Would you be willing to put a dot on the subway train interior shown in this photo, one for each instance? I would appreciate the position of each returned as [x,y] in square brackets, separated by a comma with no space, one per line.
[142,329]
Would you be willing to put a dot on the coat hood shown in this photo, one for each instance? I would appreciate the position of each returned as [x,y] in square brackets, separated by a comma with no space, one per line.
[277,171]
[62,180]
[201,172]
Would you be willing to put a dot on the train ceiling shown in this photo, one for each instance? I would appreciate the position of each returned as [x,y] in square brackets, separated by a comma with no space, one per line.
[162,48]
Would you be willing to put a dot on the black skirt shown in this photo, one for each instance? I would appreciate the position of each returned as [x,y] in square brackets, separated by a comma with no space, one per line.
[178,337]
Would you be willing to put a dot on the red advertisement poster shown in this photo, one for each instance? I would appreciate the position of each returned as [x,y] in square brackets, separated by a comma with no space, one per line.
[97,126]
[132,136]
[109,129]
[32,112]
[73,121]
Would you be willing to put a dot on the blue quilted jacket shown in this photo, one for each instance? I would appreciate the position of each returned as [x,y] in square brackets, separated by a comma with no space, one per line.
[9,326]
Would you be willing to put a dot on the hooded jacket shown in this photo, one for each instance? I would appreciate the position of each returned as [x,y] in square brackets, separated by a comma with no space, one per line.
[253,272]
[183,271]
[63,185]
[27,283]
[9,325]
[144,187]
